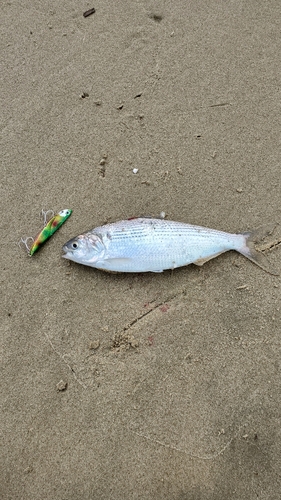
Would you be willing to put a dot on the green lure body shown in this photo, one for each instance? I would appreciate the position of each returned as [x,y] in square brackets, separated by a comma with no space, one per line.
[49,229]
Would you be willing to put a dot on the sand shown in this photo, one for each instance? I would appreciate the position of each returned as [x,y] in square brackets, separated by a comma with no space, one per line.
[151,386]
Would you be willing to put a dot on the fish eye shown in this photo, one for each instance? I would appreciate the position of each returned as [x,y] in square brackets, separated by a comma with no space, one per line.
[74,245]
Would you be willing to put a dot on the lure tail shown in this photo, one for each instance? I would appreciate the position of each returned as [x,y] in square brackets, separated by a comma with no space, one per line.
[249,250]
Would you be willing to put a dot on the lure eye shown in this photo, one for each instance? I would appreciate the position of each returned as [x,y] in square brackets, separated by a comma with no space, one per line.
[64,213]
[74,245]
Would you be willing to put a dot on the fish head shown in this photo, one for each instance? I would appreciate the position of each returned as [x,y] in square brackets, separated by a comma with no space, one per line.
[84,249]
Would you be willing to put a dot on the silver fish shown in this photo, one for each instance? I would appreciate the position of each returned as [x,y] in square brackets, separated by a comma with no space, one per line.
[146,244]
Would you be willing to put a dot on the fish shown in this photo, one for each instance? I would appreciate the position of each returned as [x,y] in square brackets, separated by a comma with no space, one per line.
[49,229]
[143,244]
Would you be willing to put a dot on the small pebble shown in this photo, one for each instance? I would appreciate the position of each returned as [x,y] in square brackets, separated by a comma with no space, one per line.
[89,12]
[134,343]
[28,469]
[61,386]
[94,345]
[135,170]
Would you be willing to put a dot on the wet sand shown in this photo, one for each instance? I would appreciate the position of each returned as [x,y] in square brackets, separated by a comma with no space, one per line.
[150,386]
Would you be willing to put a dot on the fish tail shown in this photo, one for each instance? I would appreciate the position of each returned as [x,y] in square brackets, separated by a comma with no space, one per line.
[256,256]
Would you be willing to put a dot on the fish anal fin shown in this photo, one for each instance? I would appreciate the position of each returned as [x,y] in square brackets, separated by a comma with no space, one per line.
[200,262]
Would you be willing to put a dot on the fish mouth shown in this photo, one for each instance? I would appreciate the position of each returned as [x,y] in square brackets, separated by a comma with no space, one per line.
[67,253]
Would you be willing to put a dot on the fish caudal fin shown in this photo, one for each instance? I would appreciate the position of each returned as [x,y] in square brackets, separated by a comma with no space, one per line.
[249,250]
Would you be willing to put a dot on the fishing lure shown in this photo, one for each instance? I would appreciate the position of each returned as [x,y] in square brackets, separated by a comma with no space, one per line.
[48,230]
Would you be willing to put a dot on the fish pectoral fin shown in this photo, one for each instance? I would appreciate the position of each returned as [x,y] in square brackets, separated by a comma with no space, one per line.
[117,264]
[200,262]
[118,260]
